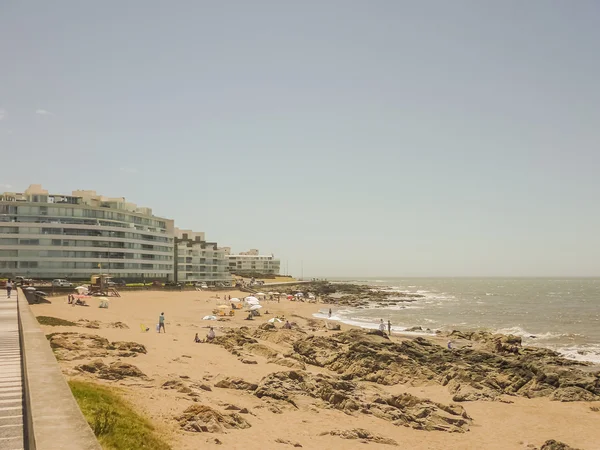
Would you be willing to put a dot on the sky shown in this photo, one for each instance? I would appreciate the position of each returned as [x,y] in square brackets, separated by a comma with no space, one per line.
[349,138]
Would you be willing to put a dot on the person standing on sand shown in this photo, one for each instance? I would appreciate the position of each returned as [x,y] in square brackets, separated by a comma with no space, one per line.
[161,322]
[9,287]
[381,326]
[389,327]
[330,313]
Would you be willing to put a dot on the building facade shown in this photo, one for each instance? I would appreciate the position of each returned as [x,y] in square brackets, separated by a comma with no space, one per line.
[252,262]
[45,236]
[199,260]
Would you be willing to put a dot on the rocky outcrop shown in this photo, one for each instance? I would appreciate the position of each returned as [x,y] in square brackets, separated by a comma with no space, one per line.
[73,346]
[115,371]
[556,445]
[234,339]
[235,383]
[471,373]
[422,414]
[572,394]
[204,419]
[346,396]
[125,348]
[278,335]
[361,435]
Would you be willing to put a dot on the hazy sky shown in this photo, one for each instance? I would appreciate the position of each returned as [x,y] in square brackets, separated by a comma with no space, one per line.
[366,138]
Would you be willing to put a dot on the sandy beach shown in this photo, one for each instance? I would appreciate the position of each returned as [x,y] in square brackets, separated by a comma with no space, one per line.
[522,424]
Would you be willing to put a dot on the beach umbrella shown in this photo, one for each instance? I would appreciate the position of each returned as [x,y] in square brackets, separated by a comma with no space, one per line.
[299,294]
[30,288]
[276,293]
[222,307]
[209,318]
[255,307]
[251,299]
[290,297]
[261,294]
[235,300]
[274,320]
[311,295]
[81,288]
[270,293]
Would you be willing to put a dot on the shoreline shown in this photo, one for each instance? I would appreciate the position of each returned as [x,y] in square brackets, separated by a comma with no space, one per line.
[179,374]
[405,300]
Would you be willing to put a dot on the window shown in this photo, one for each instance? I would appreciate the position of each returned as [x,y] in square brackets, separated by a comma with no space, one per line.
[9,241]
[30,242]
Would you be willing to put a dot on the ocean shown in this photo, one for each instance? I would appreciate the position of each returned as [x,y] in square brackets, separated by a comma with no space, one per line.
[558,313]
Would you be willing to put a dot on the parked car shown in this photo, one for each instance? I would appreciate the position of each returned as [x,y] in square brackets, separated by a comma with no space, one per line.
[21,281]
[61,283]
[116,283]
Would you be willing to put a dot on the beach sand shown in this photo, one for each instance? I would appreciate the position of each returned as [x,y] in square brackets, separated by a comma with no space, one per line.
[523,424]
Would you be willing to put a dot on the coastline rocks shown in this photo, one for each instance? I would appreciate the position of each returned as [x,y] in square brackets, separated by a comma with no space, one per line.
[234,339]
[235,383]
[204,419]
[572,394]
[71,346]
[421,414]
[361,435]
[115,371]
[471,373]
[278,335]
[556,445]
[405,409]
[126,348]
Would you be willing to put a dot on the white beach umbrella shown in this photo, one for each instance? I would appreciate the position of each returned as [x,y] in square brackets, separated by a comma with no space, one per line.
[255,307]
[81,290]
[275,320]
[270,293]
[251,299]
[235,300]
[222,307]
[209,318]
[261,294]
[276,293]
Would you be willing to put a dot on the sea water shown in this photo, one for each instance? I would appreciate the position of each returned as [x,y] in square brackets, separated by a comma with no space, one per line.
[558,313]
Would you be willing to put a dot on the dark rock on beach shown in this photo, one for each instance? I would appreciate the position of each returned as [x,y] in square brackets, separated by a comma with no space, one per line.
[484,370]
[204,419]
[361,435]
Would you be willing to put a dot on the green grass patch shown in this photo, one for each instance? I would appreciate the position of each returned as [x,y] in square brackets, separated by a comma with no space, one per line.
[55,322]
[116,425]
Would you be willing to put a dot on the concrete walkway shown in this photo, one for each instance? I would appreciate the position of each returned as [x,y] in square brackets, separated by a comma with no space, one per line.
[11,389]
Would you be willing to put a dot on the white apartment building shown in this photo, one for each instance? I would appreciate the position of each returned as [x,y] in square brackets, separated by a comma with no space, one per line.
[46,236]
[252,262]
[199,260]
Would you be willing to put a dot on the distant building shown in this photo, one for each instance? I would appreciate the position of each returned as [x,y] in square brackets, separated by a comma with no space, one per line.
[251,262]
[199,260]
[47,236]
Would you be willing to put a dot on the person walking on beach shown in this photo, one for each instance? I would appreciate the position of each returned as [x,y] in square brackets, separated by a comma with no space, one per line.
[381,326]
[330,313]
[161,322]
[9,287]
[389,327]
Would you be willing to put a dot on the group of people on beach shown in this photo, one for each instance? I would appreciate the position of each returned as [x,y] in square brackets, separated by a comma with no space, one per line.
[382,327]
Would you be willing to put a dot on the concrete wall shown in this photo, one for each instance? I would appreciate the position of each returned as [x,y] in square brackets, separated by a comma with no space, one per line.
[53,419]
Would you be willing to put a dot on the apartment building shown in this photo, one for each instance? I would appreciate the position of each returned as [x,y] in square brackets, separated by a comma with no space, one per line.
[47,236]
[199,260]
[252,262]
